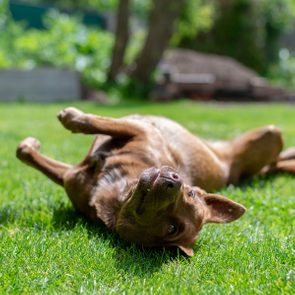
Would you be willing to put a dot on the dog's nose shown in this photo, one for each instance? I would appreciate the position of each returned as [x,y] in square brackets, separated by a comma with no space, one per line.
[172,175]
[171,179]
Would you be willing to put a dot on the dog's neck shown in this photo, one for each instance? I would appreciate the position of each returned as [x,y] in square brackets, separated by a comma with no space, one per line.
[109,195]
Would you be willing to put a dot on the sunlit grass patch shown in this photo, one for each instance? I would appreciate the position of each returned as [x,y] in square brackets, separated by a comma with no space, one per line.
[46,247]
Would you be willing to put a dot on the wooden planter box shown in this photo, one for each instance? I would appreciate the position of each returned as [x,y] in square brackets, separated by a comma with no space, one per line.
[39,85]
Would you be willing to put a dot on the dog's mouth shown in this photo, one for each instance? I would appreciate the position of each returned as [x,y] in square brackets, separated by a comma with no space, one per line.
[159,185]
[140,208]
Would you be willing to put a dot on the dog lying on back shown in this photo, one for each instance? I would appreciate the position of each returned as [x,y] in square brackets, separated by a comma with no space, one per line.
[151,181]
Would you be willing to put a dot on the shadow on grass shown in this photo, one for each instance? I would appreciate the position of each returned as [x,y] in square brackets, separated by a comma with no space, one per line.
[132,259]
[8,214]
[261,181]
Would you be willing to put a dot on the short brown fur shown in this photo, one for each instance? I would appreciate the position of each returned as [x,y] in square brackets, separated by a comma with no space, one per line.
[152,181]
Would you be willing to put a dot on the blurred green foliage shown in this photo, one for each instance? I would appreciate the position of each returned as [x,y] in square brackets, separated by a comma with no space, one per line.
[197,16]
[247,30]
[69,44]
[66,44]
[282,73]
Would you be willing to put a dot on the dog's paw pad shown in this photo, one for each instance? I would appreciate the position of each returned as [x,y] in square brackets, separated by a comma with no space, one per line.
[69,114]
[30,142]
[27,145]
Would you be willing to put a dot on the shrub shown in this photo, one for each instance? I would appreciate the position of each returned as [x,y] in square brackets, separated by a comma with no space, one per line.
[283,72]
[247,30]
[66,43]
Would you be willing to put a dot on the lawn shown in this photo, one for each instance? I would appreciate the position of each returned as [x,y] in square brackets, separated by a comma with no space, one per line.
[45,247]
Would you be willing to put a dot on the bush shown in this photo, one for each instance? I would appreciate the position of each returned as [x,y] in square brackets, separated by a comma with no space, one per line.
[283,72]
[247,30]
[66,43]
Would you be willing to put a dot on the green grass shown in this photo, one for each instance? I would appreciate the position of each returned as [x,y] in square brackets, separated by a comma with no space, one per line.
[45,247]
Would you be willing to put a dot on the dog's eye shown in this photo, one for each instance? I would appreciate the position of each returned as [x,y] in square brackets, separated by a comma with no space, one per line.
[172,229]
[191,194]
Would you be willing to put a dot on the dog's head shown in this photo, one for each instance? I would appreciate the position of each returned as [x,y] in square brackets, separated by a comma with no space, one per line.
[163,211]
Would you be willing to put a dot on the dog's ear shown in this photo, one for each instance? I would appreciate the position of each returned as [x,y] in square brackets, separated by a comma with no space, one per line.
[220,209]
[107,213]
[187,250]
[106,210]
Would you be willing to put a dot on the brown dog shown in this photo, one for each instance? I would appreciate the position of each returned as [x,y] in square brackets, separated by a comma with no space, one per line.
[146,177]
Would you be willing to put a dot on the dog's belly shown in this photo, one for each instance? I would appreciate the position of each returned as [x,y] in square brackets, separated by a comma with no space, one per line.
[194,160]
[166,143]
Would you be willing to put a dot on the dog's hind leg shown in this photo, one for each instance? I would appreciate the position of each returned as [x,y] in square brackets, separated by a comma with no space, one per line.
[79,122]
[249,153]
[27,152]
[287,166]
[288,154]
[285,163]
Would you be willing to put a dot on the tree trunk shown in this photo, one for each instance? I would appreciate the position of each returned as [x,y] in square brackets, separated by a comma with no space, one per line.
[121,39]
[161,28]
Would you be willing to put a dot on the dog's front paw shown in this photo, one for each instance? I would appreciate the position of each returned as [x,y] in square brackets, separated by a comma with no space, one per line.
[69,114]
[70,118]
[25,148]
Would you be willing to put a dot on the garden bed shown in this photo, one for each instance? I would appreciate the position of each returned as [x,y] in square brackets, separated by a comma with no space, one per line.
[41,84]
